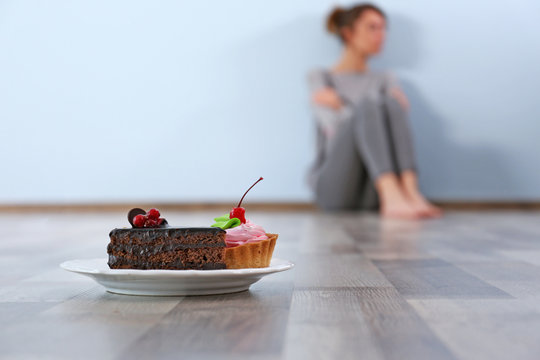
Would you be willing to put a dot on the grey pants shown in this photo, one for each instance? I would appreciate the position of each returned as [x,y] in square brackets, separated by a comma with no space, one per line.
[376,140]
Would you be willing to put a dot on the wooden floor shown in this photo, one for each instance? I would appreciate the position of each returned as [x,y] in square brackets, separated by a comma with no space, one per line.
[463,287]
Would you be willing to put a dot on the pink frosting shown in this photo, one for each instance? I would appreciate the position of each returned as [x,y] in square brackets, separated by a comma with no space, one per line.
[245,233]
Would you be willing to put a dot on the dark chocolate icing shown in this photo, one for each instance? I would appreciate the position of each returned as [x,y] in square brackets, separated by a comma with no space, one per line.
[150,234]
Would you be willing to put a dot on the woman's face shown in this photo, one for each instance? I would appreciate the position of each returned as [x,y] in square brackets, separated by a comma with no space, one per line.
[367,34]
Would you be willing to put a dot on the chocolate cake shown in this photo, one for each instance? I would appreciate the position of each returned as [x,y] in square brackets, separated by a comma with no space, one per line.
[167,248]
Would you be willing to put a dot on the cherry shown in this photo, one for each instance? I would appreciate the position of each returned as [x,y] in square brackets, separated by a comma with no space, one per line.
[240,212]
[153,214]
[139,220]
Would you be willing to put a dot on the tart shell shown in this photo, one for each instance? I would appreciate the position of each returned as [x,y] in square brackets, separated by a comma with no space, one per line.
[251,255]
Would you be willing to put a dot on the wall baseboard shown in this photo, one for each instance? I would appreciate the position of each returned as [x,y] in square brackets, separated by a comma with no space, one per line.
[258,206]
[489,205]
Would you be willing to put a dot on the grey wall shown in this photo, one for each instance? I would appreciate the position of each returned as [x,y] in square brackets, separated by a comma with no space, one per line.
[192,101]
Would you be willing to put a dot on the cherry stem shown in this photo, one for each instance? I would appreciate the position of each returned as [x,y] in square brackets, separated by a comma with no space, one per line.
[240,203]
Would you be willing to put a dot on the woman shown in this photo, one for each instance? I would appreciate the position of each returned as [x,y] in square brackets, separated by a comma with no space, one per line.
[365,154]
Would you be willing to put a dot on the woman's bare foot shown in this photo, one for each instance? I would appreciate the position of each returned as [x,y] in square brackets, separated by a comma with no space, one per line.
[415,198]
[394,203]
[398,209]
[426,208]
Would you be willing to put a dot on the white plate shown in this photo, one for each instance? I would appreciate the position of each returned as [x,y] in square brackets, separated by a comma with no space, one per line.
[172,282]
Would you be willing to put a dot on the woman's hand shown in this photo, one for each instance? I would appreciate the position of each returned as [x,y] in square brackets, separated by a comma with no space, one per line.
[399,95]
[327,97]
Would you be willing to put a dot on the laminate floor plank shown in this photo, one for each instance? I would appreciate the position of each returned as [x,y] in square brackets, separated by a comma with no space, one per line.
[466,286]
[91,325]
[483,328]
[435,278]
[365,322]
[236,325]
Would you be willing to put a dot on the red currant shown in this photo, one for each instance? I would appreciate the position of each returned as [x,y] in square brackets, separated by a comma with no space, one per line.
[153,214]
[150,223]
[139,220]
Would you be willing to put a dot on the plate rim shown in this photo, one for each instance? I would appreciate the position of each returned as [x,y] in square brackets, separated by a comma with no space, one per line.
[177,273]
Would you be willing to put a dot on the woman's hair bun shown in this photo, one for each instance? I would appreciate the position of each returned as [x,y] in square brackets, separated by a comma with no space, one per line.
[340,18]
[333,20]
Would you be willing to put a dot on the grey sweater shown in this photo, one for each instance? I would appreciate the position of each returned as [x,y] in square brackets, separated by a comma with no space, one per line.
[351,87]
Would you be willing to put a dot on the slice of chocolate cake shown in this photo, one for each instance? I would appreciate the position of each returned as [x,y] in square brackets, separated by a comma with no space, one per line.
[168,248]
[151,246]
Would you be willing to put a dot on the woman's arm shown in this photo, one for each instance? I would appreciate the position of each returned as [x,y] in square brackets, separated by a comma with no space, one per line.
[327,106]
[394,90]
[328,97]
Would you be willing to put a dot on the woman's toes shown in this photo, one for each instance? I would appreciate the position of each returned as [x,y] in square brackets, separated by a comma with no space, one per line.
[427,209]
[400,211]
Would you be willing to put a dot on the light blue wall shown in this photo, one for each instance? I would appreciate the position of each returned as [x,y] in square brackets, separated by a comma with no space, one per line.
[192,101]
